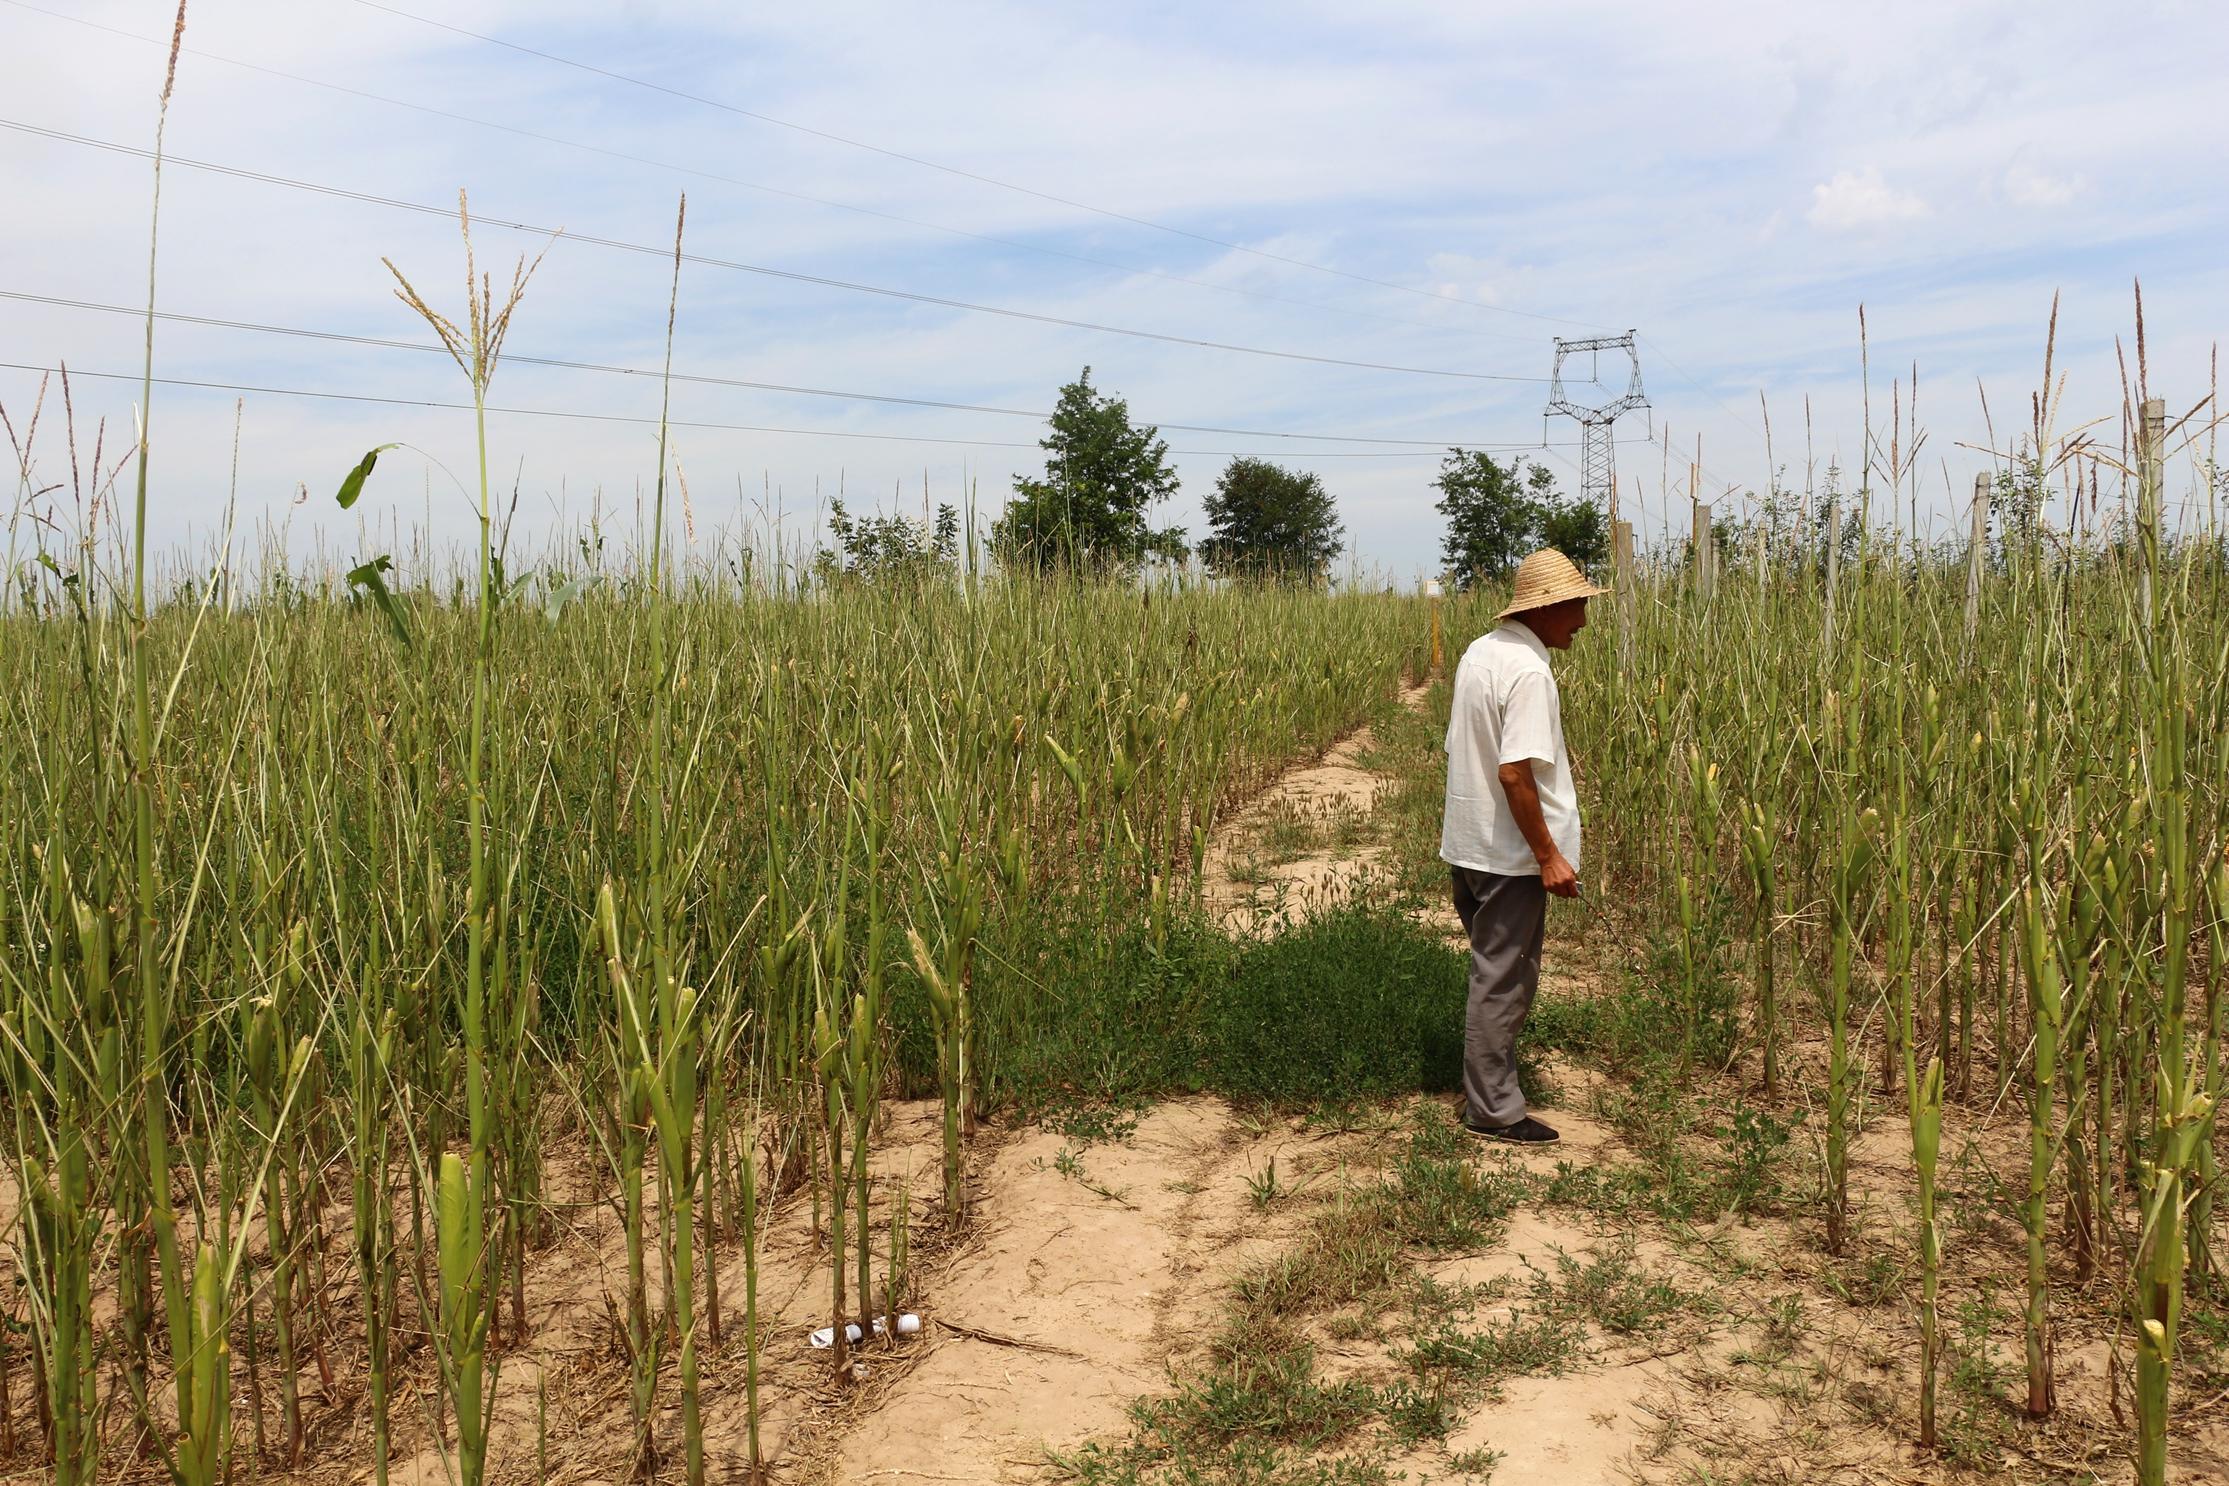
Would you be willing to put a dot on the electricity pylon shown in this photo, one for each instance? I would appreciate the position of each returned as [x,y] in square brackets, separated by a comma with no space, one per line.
[1598,461]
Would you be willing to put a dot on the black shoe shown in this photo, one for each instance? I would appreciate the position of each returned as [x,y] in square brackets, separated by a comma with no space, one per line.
[1527,1131]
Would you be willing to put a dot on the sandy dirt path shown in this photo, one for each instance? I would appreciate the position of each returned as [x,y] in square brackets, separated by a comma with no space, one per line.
[1250,890]
[1074,1294]
[1078,1295]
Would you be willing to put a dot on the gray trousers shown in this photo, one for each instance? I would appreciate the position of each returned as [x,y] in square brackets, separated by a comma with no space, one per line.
[1505,917]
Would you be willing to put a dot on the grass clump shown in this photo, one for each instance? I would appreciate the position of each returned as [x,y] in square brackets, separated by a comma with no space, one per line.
[1240,1464]
[1057,1063]
[1348,1253]
[1260,1396]
[1438,1197]
[1611,1290]
[1435,1197]
[1336,1014]
[1417,1414]
[1258,1413]
[1357,1003]
[1522,1344]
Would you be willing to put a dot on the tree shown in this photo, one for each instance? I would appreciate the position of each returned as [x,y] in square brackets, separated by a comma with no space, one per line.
[1836,520]
[1497,513]
[1271,523]
[1490,515]
[1102,475]
[1575,526]
[883,548]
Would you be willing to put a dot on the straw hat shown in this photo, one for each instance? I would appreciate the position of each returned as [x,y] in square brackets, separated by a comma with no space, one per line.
[1547,577]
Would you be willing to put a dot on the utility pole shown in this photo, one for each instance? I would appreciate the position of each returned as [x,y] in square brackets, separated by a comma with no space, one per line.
[1621,554]
[1598,461]
[1977,543]
[2150,505]
[1705,544]
[1621,579]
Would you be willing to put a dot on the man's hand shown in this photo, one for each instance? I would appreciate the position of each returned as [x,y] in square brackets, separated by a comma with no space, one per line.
[1523,793]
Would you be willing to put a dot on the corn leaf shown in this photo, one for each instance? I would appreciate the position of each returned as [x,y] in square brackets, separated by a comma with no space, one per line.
[369,577]
[353,486]
[562,595]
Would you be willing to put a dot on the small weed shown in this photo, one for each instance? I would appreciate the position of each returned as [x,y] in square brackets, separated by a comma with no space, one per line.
[1676,1012]
[1780,1329]
[1347,1254]
[1653,1110]
[1751,1176]
[1346,825]
[1242,1463]
[1286,834]
[1671,1184]
[1535,1075]
[1872,1404]
[1071,1165]
[1263,1187]
[2205,1342]
[1611,1289]
[1100,1123]
[1979,1417]
[1520,1346]
[1417,1415]
[1476,1465]
[1436,1197]
[1432,1303]
[1612,1192]
[1439,1197]
[1986,1210]
[1341,1117]
[1258,1120]
[1864,1282]
[1353,1326]
[1257,1396]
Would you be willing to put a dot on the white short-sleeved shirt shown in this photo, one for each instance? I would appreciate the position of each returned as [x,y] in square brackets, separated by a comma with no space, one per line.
[1505,709]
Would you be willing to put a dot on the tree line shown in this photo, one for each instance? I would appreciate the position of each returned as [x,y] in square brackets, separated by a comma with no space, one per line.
[1092,512]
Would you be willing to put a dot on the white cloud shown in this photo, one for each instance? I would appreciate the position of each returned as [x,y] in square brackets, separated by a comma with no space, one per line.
[1466,276]
[1857,199]
[2027,186]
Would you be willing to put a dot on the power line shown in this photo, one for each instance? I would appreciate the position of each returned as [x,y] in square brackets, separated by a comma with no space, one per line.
[1115,265]
[563,413]
[790,275]
[1682,372]
[954,170]
[383,343]
[1662,440]
[713,175]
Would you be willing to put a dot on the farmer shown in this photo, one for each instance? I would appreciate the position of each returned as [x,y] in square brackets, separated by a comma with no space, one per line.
[1511,831]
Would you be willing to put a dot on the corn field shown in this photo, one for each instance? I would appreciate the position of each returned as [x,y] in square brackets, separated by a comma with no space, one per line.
[1936,838]
[334,906]
[690,911]
[294,1009]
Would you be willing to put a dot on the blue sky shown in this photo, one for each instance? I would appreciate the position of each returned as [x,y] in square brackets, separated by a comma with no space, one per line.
[1732,180]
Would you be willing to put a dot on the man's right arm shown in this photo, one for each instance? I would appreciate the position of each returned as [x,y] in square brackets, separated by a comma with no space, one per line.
[1523,793]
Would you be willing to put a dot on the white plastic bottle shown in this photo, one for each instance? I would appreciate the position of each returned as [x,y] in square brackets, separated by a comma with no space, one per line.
[908,1324]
